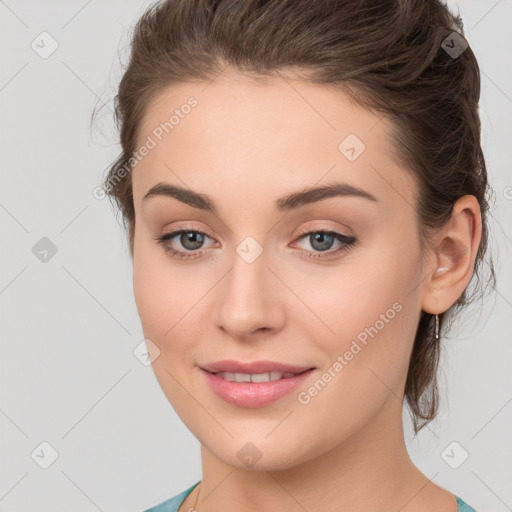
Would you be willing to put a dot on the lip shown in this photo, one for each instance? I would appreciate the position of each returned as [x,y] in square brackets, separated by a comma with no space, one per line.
[230,365]
[252,395]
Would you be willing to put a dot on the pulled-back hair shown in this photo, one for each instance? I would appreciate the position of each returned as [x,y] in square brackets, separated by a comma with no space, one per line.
[388,55]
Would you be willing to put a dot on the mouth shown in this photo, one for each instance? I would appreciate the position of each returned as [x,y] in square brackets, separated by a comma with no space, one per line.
[256,377]
[228,366]
[254,388]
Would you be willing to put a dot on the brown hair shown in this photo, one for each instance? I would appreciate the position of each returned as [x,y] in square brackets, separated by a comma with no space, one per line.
[388,55]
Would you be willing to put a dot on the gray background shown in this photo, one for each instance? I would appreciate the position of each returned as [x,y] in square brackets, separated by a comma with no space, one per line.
[70,325]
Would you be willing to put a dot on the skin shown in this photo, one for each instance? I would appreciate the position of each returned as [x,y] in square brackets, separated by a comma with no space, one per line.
[245,145]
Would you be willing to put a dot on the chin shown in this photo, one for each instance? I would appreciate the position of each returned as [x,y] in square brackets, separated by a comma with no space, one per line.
[257,455]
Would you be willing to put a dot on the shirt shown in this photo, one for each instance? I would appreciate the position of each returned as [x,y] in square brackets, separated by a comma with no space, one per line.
[173,504]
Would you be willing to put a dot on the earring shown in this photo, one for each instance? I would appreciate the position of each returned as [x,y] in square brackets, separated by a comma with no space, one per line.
[437,327]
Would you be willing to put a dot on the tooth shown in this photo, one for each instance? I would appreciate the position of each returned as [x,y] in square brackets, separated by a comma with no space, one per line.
[254,377]
[260,377]
[243,377]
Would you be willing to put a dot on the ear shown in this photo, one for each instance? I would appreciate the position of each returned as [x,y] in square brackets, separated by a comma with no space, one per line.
[452,255]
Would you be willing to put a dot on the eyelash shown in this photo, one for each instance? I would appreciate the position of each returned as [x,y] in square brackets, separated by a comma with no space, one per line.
[348,242]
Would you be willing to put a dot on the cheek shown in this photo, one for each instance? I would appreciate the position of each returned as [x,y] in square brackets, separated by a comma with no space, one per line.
[149,293]
[165,307]
[168,296]
[364,286]
[151,281]
[366,308]
[155,290]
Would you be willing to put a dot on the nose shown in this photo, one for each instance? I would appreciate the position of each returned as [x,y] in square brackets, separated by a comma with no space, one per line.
[250,299]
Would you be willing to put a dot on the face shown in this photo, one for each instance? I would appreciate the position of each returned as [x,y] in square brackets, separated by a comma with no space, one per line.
[329,282]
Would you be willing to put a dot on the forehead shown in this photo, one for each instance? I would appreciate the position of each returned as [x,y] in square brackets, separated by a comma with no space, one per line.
[243,104]
[259,135]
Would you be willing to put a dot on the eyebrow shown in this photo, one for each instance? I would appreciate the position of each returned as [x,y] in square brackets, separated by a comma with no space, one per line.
[287,203]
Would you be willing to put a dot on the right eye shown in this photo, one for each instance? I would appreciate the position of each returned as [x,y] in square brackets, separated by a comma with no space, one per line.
[191,240]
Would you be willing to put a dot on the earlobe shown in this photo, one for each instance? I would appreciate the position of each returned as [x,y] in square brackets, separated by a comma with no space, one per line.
[454,254]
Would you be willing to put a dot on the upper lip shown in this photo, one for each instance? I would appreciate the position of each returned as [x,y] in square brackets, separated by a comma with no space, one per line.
[254,367]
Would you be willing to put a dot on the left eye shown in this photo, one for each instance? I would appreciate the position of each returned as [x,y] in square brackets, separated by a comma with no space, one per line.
[322,241]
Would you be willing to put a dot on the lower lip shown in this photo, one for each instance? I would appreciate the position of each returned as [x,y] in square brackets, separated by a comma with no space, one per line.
[254,394]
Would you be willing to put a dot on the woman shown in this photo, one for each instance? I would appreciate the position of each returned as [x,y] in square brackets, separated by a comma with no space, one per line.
[305,196]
